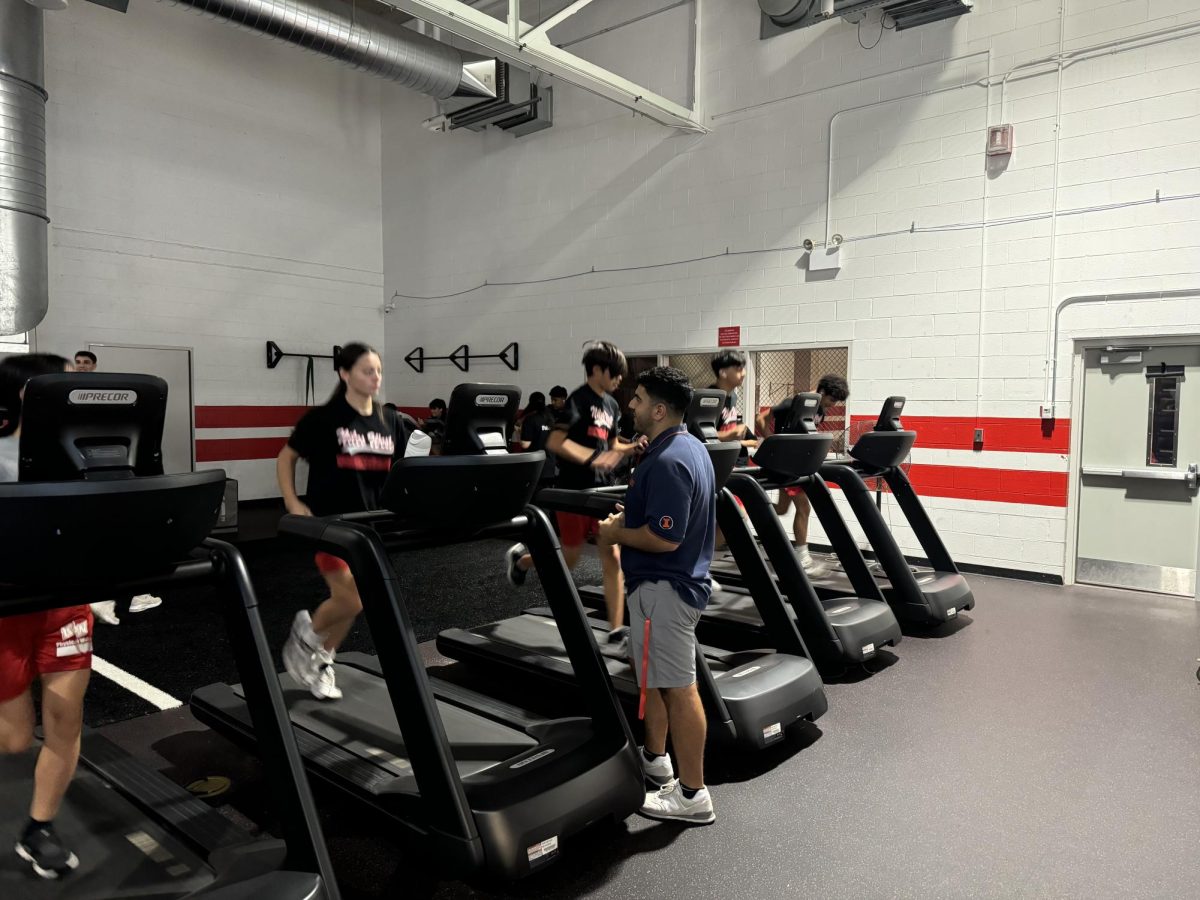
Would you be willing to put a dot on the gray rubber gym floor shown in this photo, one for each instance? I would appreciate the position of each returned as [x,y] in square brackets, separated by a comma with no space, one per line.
[1050,748]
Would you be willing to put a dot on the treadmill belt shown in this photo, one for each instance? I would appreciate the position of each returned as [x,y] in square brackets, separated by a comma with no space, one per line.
[121,852]
[538,636]
[363,723]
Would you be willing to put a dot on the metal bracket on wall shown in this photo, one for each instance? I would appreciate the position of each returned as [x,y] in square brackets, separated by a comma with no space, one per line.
[274,355]
[462,356]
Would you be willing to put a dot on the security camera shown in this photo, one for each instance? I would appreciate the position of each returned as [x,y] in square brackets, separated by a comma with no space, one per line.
[836,240]
[807,245]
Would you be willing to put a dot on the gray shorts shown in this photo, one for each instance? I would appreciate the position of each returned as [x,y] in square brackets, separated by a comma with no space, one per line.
[671,662]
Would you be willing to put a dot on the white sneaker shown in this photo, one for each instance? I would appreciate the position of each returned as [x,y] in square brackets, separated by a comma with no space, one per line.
[512,557]
[307,661]
[143,602]
[659,772]
[669,805]
[324,686]
[106,611]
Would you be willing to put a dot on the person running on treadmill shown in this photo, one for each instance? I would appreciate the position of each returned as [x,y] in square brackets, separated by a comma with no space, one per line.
[585,440]
[729,368]
[535,431]
[833,390]
[350,444]
[55,646]
[667,531]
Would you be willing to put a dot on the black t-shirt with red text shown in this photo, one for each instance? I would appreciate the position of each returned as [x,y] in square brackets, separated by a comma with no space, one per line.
[590,420]
[349,455]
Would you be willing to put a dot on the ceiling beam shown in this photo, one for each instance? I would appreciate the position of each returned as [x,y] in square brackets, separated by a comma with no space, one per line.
[541,31]
[494,36]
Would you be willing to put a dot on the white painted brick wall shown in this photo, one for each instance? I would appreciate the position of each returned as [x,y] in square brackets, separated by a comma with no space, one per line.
[214,190]
[603,188]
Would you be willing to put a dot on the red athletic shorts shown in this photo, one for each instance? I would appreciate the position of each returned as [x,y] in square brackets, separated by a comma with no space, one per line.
[59,640]
[329,565]
[574,529]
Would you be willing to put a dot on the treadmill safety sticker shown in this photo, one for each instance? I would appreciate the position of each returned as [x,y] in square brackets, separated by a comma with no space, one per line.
[748,671]
[531,759]
[951,613]
[868,649]
[772,731]
[543,850]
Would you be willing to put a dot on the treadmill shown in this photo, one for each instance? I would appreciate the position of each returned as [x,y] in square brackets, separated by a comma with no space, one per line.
[751,695]
[839,631]
[921,596]
[478,784]
[92,517]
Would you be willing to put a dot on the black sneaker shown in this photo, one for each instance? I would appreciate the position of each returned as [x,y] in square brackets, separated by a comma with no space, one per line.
[516,575]
[42,849]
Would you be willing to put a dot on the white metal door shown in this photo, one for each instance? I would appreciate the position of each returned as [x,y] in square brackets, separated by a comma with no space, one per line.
[1139,505]
[174,366]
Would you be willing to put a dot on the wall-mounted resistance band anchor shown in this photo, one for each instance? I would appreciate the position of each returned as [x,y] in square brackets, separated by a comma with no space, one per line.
[462,357]
[275,354]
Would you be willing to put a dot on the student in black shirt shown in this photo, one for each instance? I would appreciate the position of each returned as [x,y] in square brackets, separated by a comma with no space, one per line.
[558,398]
[535,430]
[833,390]
[585,441]
[349,444]
[729,368]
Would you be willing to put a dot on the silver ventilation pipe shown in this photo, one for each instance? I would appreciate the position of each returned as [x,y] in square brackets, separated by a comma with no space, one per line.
[366,41]
[24,290]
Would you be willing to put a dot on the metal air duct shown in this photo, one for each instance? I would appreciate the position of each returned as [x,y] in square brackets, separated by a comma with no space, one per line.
[24,290]
[366,41]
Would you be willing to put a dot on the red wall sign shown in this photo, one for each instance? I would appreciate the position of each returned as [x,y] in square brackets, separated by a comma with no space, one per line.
[729,336]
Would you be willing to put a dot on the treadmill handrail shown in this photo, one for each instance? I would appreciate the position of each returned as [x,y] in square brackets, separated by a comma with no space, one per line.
[292,796]
[446,808]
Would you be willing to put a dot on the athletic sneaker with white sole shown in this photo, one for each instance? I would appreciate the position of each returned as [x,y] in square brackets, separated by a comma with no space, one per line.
[516,575]
[669,805]
[658,771]
[307,661]
[143,602]
[106,611]
[43,850]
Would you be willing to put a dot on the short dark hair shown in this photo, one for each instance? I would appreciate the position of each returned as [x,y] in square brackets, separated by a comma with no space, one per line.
[88,353]
[834,386]
[726,358]
[437,403]
[537,403]
[666,384]
[558,391]
[607,356]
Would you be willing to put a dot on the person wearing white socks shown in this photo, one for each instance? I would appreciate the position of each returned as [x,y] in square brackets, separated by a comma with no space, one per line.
[667,531]
[350,444]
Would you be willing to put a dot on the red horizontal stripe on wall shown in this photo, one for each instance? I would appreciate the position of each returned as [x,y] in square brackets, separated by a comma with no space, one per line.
[226,449]
[248,416]
[1012,435]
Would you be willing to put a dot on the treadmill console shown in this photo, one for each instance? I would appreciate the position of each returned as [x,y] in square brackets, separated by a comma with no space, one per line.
[801,415]
[480,418]
[889,418]
[93,503]
[92,426]
[703,414]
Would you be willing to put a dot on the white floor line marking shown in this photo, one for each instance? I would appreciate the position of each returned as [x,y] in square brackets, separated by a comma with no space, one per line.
[134,685]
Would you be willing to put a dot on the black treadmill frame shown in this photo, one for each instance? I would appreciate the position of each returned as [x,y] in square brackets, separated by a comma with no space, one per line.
[363,541]
[221,564]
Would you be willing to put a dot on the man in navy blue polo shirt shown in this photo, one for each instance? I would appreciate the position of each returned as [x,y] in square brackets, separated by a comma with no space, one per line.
[666,530]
